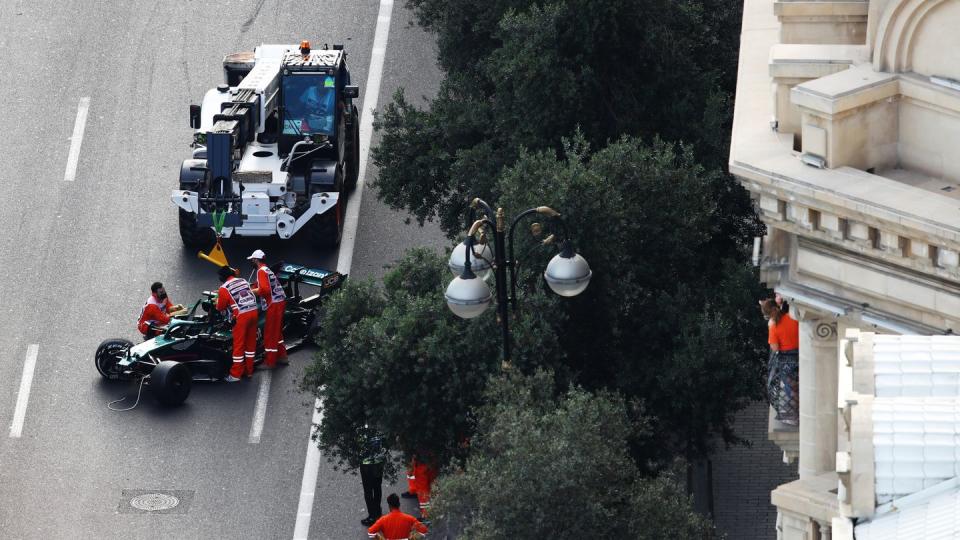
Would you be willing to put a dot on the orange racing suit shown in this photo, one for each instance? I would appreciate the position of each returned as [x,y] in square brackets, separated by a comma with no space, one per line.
[235,293]
[154,311]
[271,294]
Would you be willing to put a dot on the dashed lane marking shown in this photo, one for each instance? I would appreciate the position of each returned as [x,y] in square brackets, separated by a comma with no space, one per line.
[73,159]
[260,411]
[20,413]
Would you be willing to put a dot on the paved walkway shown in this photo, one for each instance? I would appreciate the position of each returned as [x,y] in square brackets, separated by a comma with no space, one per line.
[743,478]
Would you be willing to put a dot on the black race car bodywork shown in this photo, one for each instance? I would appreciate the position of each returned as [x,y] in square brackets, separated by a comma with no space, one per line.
[197,346]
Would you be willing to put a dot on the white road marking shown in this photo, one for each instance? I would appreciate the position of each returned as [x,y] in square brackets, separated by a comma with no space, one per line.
[370,96]
[260,412]
[74,157]
[16,428]
[371,93]
[311,468]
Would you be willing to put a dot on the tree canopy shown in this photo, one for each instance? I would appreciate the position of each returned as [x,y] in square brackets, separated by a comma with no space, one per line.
[669,315]
[547,102]
[667,319]
[547,467]
[523,73]
[615,113]
[395,359]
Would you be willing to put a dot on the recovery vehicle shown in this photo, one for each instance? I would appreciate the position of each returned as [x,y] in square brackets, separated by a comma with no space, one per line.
[276,148]
[197,346]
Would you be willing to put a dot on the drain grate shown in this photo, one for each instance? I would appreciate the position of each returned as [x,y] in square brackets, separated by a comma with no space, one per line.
[155,501]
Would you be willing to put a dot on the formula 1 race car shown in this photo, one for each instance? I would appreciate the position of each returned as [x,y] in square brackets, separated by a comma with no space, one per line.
[198,346]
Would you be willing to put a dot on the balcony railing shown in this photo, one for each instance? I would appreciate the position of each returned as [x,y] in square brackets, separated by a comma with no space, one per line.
[783,386]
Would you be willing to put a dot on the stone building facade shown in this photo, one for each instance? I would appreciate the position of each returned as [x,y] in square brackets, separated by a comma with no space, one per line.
[846,132]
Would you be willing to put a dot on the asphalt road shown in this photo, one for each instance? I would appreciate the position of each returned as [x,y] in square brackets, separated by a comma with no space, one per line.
[79,256]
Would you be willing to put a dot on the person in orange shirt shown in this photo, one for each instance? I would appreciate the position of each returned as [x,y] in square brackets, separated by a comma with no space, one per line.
[271,294]
[235,294]
[783,336]
[396,525]
[783,331]
[156,311]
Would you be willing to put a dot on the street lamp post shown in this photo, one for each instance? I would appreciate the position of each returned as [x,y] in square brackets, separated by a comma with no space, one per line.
[468,295]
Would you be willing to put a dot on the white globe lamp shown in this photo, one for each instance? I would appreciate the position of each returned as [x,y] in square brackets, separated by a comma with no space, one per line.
[480,265]
[467,295]
[568,274]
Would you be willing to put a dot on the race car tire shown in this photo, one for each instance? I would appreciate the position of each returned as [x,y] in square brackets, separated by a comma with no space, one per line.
[193,236]
[313,333]
[170,383]
[109,353]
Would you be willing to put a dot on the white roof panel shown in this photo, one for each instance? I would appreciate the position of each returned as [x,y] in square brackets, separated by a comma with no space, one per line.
[931,515]
[915,443]
[916,366]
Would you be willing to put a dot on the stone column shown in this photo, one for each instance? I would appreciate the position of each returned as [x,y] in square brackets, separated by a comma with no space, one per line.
[825,532]
[818,396]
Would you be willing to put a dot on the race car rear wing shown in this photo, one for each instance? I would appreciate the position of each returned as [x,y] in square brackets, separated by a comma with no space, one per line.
[295,273]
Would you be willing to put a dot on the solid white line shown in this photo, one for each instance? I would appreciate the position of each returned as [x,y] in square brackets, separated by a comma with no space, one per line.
[371,93]
[16,428]
[260,411]
[370,96]
[74,157]
[311,469]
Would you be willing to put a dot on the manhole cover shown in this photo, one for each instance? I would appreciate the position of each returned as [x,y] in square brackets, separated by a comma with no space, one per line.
[155,501]
[152,502]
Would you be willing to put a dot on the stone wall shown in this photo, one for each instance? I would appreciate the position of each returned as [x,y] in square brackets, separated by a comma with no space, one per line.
[743,478]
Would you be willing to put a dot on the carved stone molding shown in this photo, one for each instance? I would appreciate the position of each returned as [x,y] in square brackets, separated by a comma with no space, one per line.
[825,331]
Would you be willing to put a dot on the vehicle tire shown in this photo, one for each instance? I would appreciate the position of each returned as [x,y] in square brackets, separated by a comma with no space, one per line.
[326,230]
[314,331]
[170,383]
[109,354]
[352,160]
[193,236]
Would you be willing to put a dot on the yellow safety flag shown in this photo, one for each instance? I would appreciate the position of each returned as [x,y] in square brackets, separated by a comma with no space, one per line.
[216,255]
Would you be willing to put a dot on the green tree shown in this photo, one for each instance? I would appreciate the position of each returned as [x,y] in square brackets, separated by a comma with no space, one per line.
[521,74]
[669,315]
[397,360]
[543,467]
